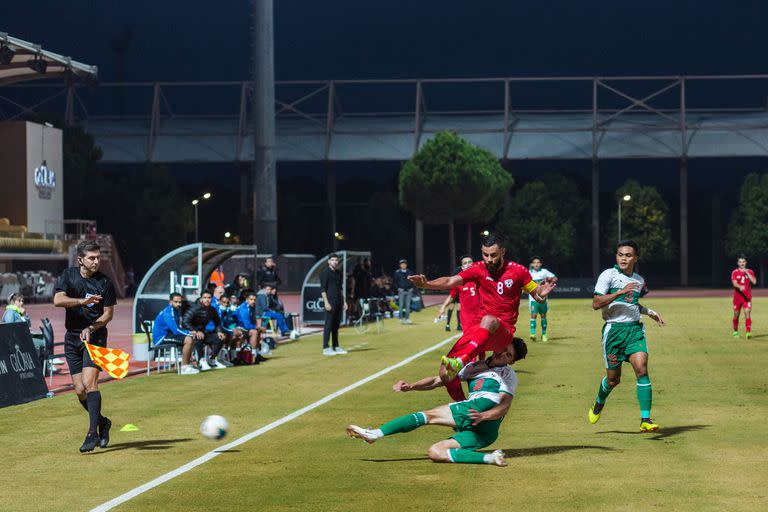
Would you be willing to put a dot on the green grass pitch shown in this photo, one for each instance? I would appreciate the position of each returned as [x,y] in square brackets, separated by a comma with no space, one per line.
[710,398]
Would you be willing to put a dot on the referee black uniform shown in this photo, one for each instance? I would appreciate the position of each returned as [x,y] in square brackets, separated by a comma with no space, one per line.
[86,293]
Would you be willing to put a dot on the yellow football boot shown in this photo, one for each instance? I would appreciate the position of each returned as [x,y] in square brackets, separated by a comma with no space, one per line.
[647,425]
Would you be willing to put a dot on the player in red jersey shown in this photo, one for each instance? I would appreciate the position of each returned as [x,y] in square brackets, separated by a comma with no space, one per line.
[500,284]
[467,299]
[742,279]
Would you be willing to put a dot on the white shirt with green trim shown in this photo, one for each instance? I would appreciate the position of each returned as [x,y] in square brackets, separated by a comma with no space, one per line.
[538,277]
[487,382]
[622,309]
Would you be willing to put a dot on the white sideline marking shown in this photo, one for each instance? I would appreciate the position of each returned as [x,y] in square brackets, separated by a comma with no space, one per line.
[256,433]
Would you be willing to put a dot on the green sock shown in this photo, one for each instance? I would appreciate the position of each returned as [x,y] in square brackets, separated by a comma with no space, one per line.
[464,456]
[543,326]
[644,396]
[603,391]
[404,424]
[533,326]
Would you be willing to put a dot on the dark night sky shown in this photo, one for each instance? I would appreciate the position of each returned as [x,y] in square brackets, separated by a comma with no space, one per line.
[338,39]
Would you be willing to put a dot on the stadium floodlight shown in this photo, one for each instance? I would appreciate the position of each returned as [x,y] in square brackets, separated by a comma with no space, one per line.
[486,232]
[626,198]
[207,195]
[227,234]
[195,201]
[6,54]
[37,64]
[338,236]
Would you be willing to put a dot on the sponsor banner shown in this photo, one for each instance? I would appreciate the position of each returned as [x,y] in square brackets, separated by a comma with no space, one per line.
[313,306]
[21,377]
[574,288]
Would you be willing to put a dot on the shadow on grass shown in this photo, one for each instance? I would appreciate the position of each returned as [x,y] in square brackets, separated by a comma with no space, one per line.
[517,452]
[759,336]
[365,349]
[149,444]
[662,433]
[549,450]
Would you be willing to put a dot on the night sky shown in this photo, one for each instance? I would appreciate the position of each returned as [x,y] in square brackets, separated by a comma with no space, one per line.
[340,39]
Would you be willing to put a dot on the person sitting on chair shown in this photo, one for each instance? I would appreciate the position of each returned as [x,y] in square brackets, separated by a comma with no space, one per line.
[167,330]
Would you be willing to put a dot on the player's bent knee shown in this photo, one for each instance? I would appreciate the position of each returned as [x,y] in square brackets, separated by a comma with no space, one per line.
[437,453]
[614,381]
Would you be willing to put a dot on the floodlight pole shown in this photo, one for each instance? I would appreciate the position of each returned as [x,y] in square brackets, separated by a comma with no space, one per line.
[264,213]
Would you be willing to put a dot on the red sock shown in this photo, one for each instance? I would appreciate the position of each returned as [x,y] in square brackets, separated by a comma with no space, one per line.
[735,324]
[455,390]
[748,321]
[468,347]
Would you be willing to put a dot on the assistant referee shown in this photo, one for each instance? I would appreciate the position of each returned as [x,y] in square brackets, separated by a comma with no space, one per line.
[89,297]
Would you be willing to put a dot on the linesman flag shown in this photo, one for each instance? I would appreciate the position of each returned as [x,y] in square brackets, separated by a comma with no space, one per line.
[111,360]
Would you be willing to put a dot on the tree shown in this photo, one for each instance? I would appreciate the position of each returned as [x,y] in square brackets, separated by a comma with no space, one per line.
[748,229]
[544,218]
[447,178]
[644,220]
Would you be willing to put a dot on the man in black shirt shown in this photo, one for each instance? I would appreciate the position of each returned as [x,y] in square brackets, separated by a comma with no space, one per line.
[331,279]
[89,298]
[267,274]
[195,320]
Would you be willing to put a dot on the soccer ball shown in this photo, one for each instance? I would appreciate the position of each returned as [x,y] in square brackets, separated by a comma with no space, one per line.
[214,427]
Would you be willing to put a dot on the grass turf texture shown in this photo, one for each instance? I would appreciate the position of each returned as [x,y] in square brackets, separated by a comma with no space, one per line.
[710,397]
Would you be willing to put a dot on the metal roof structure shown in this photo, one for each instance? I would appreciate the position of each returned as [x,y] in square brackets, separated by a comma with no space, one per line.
[514,118]
[22,61]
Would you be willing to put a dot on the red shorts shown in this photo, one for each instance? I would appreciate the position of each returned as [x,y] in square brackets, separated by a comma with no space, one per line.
[739,302]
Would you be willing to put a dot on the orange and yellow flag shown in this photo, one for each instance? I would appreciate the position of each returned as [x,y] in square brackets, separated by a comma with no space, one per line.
[111,360]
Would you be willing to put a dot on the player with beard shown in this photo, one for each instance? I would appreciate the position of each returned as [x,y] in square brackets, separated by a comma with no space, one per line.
[500,284]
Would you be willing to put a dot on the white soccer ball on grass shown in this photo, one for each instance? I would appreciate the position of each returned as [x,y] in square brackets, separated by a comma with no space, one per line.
[214,427]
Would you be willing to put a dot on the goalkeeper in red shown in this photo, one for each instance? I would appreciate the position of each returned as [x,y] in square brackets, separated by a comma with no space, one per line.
[500,284]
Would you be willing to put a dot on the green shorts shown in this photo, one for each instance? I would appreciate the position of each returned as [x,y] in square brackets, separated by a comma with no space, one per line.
[478,436]
[539,308]
[621,340]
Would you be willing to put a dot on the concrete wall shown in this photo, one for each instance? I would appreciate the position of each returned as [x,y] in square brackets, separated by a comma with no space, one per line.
[45,185]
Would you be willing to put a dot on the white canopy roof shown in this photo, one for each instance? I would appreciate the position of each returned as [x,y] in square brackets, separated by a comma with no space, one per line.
[22,52]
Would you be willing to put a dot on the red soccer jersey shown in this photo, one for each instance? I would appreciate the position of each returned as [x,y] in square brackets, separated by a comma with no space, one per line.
[500,292]
[471,306]
[741,278]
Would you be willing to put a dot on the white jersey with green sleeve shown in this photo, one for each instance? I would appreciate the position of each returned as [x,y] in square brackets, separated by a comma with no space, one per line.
[486,382]
[622,309]
[538,277]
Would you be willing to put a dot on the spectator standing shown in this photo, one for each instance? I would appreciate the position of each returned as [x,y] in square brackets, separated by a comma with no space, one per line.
[217,277]
[14,311]
[167,329]
[195,320]
[331,279]
[238,286]
[404,291]
[267,274]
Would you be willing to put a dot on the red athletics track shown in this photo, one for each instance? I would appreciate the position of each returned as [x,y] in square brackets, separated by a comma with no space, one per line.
[120,335]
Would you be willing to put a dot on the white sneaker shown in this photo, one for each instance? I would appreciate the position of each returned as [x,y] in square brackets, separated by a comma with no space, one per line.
[294,335]
[329,352]
[365,434]
[188,369]
[498,458]
[339,350]
[204,366]
[407,321]
[218,366]
[264,349]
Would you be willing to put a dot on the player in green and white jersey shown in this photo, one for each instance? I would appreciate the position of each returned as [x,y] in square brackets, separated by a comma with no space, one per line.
[539,275]
[617,294]
[492,384]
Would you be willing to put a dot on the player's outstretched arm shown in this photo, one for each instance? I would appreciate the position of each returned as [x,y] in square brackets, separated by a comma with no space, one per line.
[542,291]
[652,314]
[495,413]
[441,283]
[425,384]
